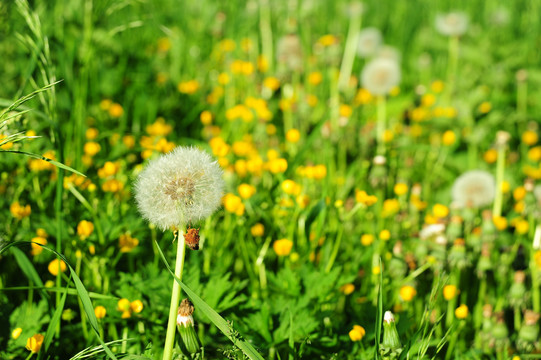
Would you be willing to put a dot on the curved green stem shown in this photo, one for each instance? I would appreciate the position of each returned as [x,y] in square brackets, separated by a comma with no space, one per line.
[175,296]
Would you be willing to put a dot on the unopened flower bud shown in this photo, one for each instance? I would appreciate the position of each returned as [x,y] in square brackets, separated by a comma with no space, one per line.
[185,325]
[390,347]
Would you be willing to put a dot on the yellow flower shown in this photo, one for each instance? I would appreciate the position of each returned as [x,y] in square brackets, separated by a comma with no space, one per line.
[440,211]
[315,78]
[112,185]
[485,107]
[188,87]
[16,333]
[55,264]
[461,312]
[362,197]
[347,289]
[490,156]
[407,292]
[500,222]
[91,133]
[291,187]
[428,100]
[36,249]
[91,148]
[19,211]
[448,138]
[519,193]
[124,306]
[233,204]
[257,230]
[537,258]
[522,226]
[116,110]
[277,166]
[282,247]
[206,117]
[164,44]
[128,141]
[345,110]
[293,135]
[357,333]
[85,229]
[384,235]
[327,40]
[367,239]
[127,243]
[159,128]
[100,311]
[271,83]
[388,135]
[34,343]
[246,191]
[530,137]
[400,189]
[390,207]
[449,292]
[376,270]
[136,306]
[262,64]
[534,154]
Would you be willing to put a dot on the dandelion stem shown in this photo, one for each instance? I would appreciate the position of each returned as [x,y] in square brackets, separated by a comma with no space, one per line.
[500,170]
[380,129]
[349,52]
[175,296]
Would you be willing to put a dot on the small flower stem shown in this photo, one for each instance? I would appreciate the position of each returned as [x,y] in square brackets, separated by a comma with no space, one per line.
[536,295]
[380,127]
[452,65]
[175,296]
[452,341]
[349,52]
[124,339]
[335,249]
[30,355]
[81,308]
[500,171]
[266,31]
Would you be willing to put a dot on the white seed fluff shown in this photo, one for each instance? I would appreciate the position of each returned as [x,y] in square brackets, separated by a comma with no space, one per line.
[368,42]
[380,75]
[180,187]
[452,24]
[475,188]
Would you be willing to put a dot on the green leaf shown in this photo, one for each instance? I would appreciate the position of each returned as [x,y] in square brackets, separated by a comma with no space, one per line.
[219,321]
[81,290]
[379,313]
[28,269]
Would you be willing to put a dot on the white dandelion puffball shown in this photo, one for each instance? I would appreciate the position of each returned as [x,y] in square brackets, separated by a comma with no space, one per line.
[389,52]
[452,24]
[180,187]
[474,188]
[380,75]
[370,40]
[289,52]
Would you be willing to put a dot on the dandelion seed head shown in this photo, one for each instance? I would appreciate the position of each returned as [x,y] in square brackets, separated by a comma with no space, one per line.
[475,188]
[180,187]
[369,41]
[380,75]
[452,24]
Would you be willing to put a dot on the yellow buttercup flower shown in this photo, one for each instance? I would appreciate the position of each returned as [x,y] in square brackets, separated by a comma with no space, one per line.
[257,230]
[293,135]
[357,333]
[136,306]
[400,189]
[246,191]
[440,211]
[461,312]
[347,289]
[54,265]
[449,292]
[367,239]
[407,292]
[282,247]
[100,312]
[34,343]
[85,229]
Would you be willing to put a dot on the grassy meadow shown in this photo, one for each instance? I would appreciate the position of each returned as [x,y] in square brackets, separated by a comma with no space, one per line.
[321,179]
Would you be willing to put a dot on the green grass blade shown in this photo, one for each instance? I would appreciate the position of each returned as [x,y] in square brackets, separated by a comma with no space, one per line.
[216,319]
[55,163]
[51,329]
[71,291]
